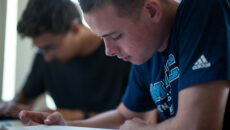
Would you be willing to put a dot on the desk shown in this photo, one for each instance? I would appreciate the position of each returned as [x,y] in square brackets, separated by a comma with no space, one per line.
[17,125]
[11,123]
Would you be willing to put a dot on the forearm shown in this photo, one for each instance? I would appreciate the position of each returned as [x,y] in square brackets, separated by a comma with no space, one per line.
[204,111]
[182,124]
[173,123]
[71,115]
[110,119]
[20,98]
[12,108]
[22,102]
[165,125]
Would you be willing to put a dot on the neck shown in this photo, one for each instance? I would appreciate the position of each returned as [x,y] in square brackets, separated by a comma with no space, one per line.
[171,12]
[90,43]
[93,43]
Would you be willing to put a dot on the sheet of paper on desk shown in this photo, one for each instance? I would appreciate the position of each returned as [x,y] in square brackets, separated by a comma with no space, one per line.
[43,127]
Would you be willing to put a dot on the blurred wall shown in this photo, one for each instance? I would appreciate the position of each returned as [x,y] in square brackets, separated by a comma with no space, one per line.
[2,38]
[24,54]
[25,51]
[24,59]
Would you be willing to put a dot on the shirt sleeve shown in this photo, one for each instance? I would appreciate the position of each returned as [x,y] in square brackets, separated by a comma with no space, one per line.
[34,86]
[204,40]
[137,96]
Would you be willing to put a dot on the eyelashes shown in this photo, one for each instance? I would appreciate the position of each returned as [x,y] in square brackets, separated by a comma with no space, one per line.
[117,37]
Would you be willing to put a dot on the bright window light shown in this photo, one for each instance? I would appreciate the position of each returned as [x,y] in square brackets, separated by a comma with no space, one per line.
[50,102]
[10,51]
[75,1]
[78,6]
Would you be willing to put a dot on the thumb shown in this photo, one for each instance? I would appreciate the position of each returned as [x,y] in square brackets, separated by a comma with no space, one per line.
[55,119]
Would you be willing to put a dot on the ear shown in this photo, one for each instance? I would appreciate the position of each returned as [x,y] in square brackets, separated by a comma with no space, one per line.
[154,10]
[75,28]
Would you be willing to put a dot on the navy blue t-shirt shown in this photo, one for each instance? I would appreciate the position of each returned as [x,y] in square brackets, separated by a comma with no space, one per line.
[198,51]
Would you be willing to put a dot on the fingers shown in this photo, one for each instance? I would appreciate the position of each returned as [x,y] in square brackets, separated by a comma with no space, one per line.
[9,109]
[138,120]
[55,119]
[2,108]
[27,116]
[35,118]
[30,123]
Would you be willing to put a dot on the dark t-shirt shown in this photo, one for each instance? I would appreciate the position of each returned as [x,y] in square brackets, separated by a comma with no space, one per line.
[198,51]
[95,83]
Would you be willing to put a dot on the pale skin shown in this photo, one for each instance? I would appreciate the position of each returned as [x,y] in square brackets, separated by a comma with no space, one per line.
[200,106]
[11,109]
[206,114]
[79,41]
[20,102]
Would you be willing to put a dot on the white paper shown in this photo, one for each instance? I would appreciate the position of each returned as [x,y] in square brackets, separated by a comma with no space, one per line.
[11,123]
[44,127]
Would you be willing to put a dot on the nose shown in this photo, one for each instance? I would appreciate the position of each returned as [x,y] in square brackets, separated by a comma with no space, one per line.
[110,48]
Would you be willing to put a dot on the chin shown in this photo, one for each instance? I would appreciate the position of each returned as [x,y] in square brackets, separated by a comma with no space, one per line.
[138,62]
[62,61]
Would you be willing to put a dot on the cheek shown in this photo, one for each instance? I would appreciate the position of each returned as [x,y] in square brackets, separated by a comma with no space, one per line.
[61,56]
[134,44]
[130,48]
[66,45]
[67,41]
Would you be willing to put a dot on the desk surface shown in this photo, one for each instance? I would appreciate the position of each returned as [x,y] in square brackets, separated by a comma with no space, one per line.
[17,125]
[11,123]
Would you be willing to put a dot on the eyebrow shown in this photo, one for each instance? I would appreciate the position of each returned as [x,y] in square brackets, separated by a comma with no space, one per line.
[46,47]
[108,34]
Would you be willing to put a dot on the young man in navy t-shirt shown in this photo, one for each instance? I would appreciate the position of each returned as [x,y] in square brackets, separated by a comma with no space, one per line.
[181,63]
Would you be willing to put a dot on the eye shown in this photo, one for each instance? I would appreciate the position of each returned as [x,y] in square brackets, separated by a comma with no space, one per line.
[47,48]
[117,37]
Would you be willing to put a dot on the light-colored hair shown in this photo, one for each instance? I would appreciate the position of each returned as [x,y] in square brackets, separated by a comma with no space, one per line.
[125,8]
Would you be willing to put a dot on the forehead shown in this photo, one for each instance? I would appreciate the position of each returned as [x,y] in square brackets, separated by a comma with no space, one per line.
[46,38]
[105,20]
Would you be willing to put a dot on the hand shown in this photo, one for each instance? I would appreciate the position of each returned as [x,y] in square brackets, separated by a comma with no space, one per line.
[9,109]
[134,124]
[36,118]
[68,114]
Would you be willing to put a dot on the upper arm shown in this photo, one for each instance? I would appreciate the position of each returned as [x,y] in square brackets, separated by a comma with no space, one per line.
[34,84]
[202,106]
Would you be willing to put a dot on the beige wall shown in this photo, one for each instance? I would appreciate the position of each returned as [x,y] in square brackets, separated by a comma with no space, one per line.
[24,54]
[24,58]
[2,38]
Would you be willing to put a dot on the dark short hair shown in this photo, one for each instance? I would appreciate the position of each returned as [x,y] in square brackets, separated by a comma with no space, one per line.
[53,16]
[125,8]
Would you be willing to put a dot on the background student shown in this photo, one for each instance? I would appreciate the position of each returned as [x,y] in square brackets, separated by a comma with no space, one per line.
[70,64]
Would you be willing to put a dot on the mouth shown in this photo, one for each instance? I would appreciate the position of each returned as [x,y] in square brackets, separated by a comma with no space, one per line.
[124,58]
